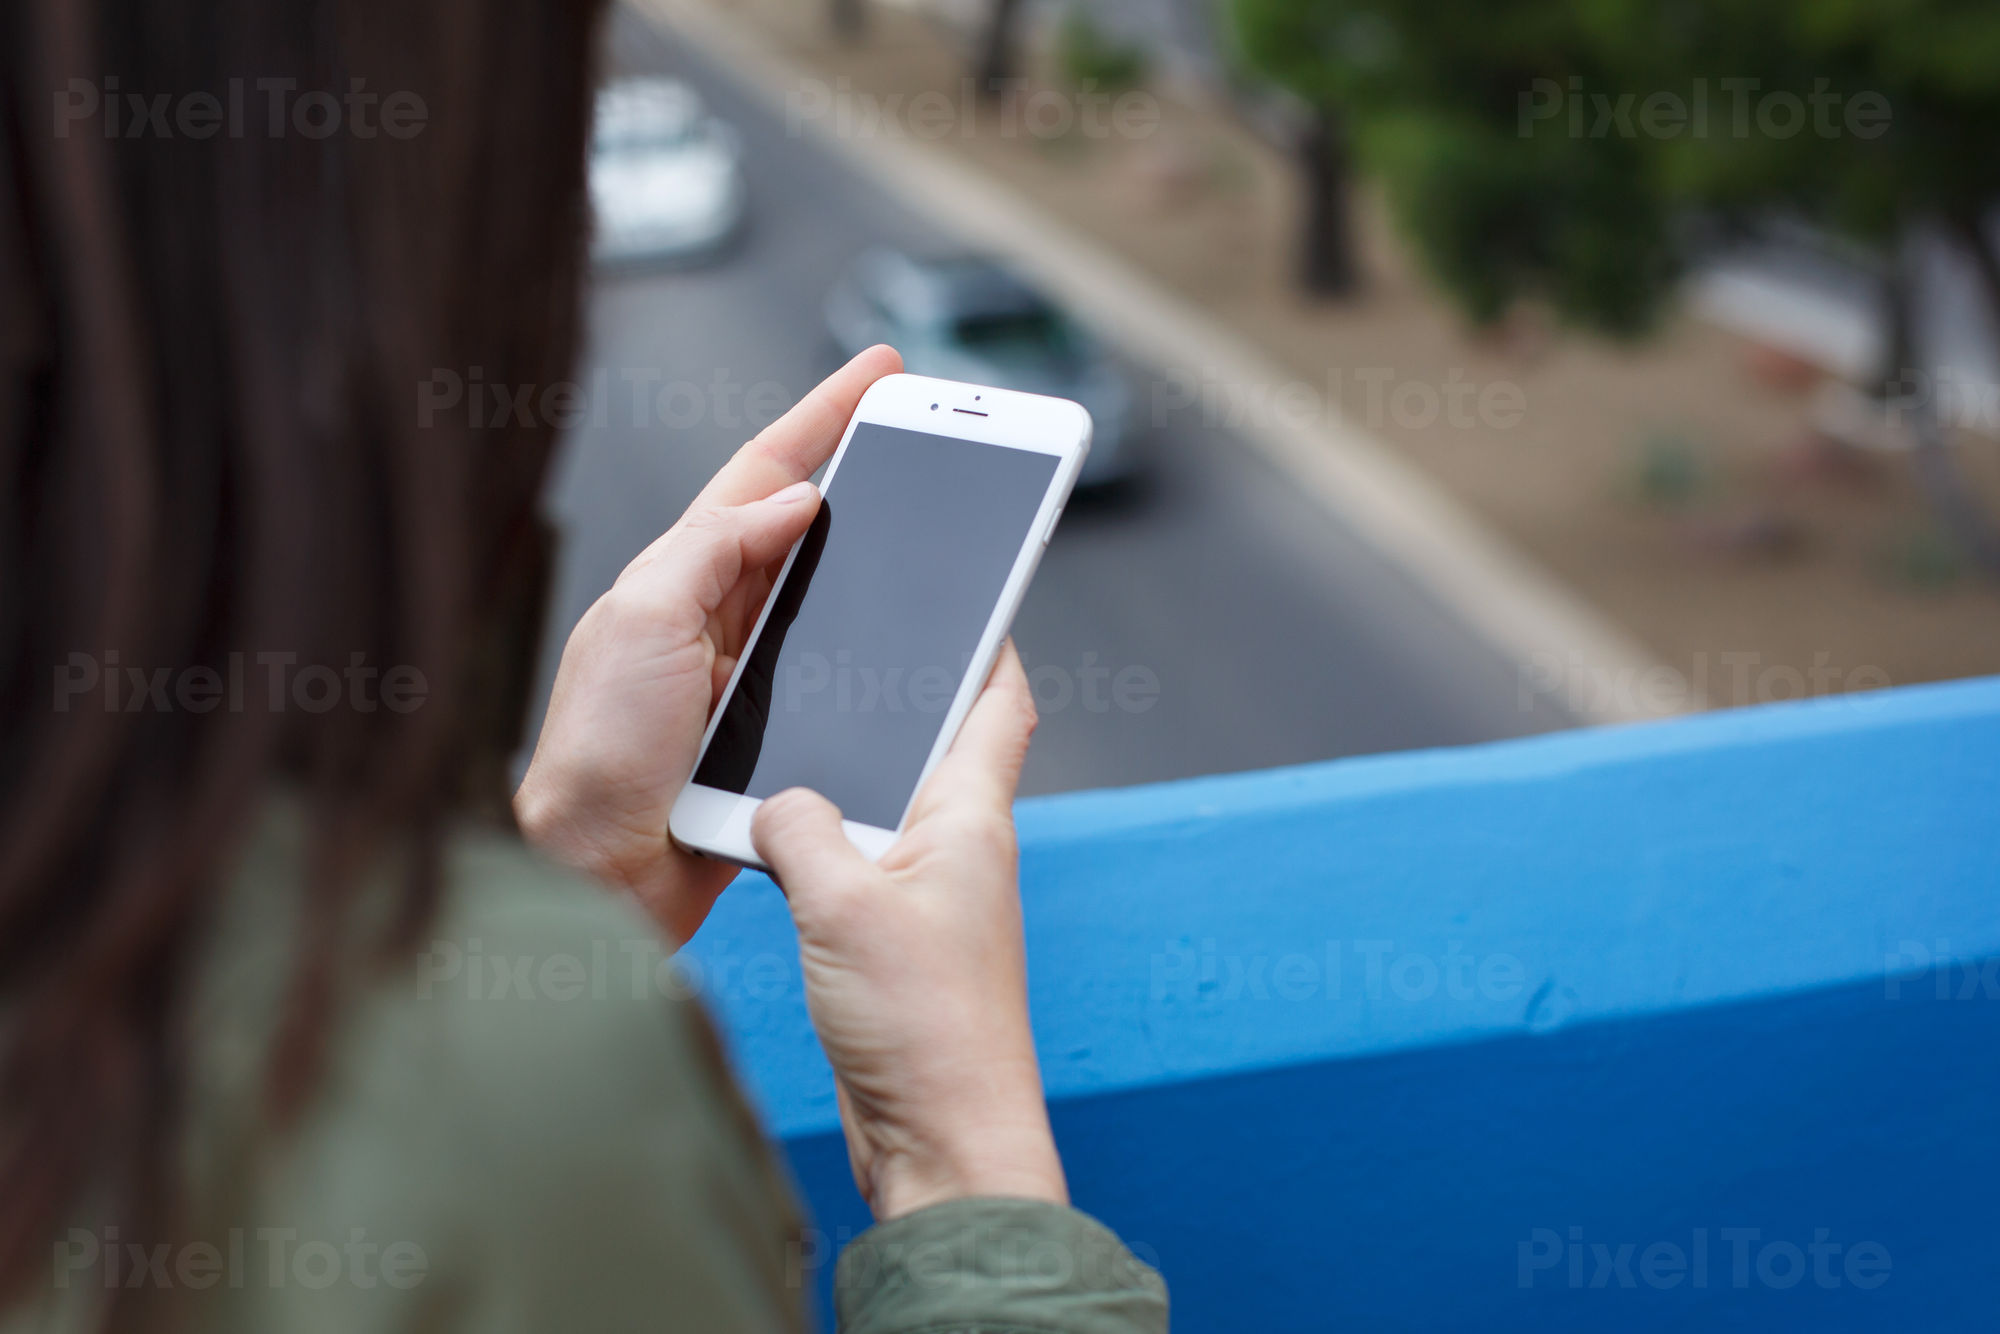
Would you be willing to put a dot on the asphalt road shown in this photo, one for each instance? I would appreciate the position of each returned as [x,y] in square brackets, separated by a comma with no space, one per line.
[1208,619]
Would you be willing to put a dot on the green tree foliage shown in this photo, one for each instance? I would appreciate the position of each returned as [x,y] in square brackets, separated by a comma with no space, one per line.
[1090,56]
[1553,147]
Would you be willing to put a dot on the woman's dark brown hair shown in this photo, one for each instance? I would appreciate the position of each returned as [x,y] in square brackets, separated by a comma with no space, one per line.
[239,242]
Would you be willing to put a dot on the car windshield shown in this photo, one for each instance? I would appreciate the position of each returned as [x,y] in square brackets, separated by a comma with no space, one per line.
[643,118]
[650,138]
[1038,331]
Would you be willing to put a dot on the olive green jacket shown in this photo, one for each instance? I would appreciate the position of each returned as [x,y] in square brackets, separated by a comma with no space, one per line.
[530,1127]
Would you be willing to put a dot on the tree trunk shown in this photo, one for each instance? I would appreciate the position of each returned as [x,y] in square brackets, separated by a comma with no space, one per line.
[849,20]
[1327,266]
[1979,243]
[998,57]
[1906,387]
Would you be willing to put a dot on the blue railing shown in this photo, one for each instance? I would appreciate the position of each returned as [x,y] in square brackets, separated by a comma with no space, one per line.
[1693,1025]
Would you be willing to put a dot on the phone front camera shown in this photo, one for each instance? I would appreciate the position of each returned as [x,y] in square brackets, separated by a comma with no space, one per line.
[933,407]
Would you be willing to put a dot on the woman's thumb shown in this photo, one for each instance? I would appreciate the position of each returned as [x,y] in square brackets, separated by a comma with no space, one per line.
[798,834]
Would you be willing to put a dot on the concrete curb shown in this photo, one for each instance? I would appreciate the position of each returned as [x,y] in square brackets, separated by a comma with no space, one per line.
[1550,635]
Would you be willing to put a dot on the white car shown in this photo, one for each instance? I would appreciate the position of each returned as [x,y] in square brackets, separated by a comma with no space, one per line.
[666,178]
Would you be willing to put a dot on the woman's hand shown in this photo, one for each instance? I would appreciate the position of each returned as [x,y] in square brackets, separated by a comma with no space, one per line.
[648,661]
[915,976]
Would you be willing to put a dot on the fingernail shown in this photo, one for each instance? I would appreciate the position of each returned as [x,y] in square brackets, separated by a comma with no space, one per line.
[794,493]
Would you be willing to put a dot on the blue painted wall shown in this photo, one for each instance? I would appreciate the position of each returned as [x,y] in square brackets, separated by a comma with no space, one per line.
[1623,1029]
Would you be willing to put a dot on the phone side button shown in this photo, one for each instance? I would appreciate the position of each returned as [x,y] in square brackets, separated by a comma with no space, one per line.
[1050,531]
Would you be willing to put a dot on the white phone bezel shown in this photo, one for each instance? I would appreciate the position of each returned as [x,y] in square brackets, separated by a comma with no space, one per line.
[715,823]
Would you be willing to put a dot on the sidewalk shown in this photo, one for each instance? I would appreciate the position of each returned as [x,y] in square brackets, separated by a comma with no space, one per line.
[1772,575]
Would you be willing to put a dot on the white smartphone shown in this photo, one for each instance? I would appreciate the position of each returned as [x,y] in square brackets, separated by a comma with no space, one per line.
[884,622]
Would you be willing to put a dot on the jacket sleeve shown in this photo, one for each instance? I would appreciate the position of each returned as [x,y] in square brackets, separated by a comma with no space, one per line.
[996,1266]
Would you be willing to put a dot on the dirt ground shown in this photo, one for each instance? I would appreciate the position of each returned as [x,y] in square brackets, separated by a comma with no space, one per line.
[1673,483]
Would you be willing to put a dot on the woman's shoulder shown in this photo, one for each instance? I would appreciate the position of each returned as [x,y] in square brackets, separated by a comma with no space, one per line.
[520,1096]
[515,950]
[527,993]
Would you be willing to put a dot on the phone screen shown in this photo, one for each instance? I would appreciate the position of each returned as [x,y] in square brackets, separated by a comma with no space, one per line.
[875,626]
